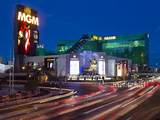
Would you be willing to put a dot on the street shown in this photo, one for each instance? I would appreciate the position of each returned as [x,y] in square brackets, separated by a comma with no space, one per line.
[99,102]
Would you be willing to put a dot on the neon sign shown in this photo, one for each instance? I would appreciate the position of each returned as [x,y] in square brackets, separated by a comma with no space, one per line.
[95,37]
[109,38]
[28,18]
[24,33]
[26,30]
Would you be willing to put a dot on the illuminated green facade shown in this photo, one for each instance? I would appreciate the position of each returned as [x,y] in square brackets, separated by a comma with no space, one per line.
[134,47]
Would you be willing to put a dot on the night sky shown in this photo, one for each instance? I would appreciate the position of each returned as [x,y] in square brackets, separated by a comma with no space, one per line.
[69,19]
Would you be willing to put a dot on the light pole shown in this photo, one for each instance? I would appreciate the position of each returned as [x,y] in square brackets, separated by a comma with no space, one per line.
[11,76]
[10,80]
[13,73]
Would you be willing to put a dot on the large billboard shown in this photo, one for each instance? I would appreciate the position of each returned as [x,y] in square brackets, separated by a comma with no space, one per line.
[74,67]
[26,32]
[111,67]
[101,67]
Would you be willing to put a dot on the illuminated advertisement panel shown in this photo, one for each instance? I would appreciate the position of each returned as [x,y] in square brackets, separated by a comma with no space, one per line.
[27,33]
[125,68]
[119,69]
[101,67]
[49,63]
[122,68]
[74,67]
[111,67]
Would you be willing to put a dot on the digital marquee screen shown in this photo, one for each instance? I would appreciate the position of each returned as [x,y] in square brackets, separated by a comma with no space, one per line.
[27,24]
[101,67]
[74,67]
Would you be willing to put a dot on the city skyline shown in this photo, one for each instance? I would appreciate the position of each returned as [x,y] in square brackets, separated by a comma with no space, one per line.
[70,20]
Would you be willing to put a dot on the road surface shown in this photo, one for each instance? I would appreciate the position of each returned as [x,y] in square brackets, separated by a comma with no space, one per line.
[97,103]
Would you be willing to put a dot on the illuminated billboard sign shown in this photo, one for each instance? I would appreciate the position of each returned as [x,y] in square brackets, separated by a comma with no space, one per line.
[28,18]
[122,68]
[27,34]
[101,67]
[74,67]
[49,63]
[95,37]
[111,67]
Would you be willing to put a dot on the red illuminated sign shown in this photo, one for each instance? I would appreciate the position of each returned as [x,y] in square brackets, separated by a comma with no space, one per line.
[27,30]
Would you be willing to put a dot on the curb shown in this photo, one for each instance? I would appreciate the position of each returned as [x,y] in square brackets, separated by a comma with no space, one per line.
[43,100]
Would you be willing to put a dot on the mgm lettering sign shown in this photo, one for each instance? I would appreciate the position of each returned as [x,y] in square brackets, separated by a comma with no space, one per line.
[26,31]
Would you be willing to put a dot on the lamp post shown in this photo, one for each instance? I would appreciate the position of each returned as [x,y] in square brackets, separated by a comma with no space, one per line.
[11,74]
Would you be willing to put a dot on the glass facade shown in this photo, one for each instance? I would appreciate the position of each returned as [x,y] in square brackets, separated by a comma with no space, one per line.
[63,46]
[134,47]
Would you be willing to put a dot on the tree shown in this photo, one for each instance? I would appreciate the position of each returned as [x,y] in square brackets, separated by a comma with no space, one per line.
[33,80]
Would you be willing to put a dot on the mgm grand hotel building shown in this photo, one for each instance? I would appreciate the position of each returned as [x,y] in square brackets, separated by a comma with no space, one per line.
[107,56]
